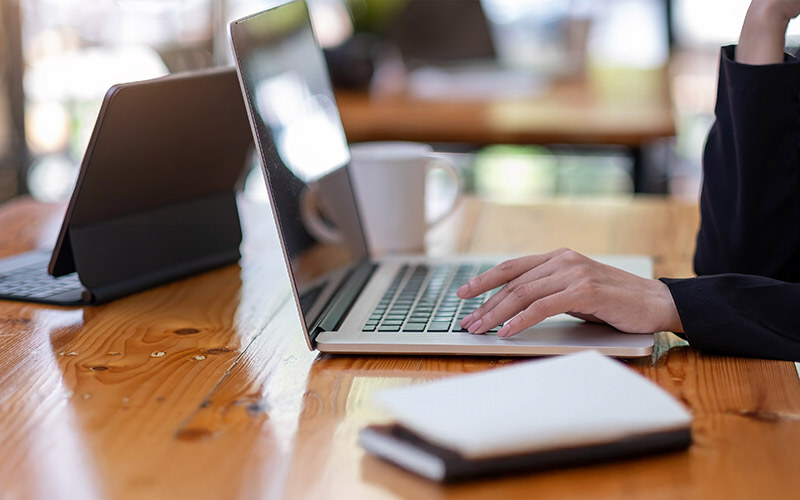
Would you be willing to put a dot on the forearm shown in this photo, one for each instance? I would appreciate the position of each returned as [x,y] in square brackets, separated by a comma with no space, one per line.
[763,34]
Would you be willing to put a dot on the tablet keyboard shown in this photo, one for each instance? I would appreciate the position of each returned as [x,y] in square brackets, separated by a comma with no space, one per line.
[29,281]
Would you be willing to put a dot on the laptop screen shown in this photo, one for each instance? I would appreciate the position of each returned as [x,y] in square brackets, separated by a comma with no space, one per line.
[303,150]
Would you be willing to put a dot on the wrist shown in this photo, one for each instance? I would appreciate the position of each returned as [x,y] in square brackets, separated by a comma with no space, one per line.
[667,319]
[763,34]
[771,11]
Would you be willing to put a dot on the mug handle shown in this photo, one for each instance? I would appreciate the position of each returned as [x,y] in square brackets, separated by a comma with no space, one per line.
[311,215]
[454,173]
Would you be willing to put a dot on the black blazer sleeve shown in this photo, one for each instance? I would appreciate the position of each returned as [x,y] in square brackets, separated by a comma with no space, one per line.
[750,203]
[746,296]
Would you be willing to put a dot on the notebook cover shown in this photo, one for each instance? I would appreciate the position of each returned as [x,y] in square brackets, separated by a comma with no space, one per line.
[565,410]
[407,450]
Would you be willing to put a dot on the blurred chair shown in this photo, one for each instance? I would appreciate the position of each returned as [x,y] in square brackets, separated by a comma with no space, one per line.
[436,32]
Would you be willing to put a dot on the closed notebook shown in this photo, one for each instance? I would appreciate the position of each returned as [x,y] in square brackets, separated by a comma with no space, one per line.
[560,411]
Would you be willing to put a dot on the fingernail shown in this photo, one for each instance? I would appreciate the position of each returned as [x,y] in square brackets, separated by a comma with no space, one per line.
[503,332]
[475,326]
[467,320]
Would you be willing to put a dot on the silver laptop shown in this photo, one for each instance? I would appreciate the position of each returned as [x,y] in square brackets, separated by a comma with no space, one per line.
[347,301]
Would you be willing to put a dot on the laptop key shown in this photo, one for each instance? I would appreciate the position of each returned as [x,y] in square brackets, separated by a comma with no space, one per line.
[414,327]
[439,326]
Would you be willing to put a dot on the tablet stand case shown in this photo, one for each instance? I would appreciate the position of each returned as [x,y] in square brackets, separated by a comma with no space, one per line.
[155,198]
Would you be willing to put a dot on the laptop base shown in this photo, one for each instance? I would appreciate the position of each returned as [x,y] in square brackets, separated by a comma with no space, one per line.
[553,337]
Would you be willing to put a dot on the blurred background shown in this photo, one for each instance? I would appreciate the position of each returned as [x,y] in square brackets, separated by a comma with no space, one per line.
[572,97]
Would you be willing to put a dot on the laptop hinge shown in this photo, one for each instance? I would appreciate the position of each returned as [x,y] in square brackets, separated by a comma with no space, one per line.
[343,300]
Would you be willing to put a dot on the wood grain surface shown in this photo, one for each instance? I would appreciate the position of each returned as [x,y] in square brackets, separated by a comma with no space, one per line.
[582,111]
[204,388]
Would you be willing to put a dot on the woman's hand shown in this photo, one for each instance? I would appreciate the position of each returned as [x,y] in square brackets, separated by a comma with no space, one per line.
[764,31]
[563,281]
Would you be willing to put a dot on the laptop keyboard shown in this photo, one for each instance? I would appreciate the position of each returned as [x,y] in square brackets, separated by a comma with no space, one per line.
[422,298]
[33,282]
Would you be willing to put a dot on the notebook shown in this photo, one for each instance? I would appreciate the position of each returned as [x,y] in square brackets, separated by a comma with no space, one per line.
[567,410]
[155,198]
[348,301]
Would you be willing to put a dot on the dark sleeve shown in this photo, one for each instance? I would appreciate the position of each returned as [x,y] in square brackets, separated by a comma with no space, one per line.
[740,315]
[750,202]
[745,300]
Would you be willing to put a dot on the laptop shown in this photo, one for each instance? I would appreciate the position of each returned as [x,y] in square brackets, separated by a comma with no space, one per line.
[155,196]
[349,302]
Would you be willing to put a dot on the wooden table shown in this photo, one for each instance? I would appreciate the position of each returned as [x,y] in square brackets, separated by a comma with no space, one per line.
[204,388]
[627,108]
[574,112]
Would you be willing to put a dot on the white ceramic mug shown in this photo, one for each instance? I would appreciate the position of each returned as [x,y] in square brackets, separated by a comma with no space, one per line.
[389,180]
